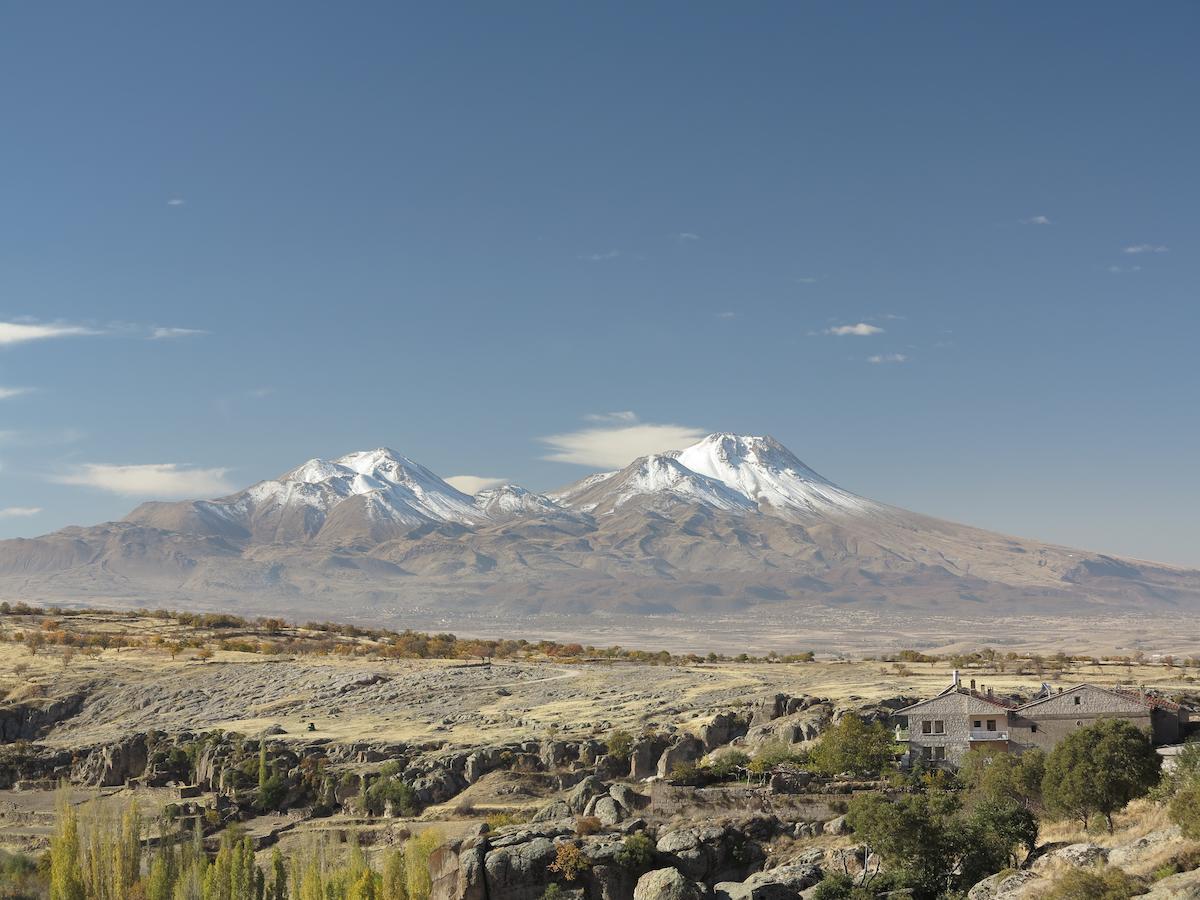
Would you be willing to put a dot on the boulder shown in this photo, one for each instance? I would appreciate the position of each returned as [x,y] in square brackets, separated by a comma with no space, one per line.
[583,793]
[1071,855]
[552,812]
[608,811]
[836,826]
[687,749]
[628,798]
[780,883]
[1008,886]
[723,728]
[665,884]
[1184,886]
[643,756]
[1143,848]
[519,872]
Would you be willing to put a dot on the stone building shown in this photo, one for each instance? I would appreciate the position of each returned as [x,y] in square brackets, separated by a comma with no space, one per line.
[943,729]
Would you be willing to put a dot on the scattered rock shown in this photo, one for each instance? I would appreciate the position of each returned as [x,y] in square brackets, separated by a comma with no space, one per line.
[665,884]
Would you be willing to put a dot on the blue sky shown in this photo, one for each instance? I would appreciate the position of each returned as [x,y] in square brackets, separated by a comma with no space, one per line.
[945,252]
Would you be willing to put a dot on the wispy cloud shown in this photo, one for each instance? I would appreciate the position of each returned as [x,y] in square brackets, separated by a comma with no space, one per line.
[809,279]
[6,392]
[159,333]
[473,484]
[175,201]
[859,329]
[21,332]
[885,358]
[618,444]
[1121,270]
[600,257]
[685,236]
[727,314]
[625,415]
[164,480]
[1036,220]
[14,512]
[1145,248]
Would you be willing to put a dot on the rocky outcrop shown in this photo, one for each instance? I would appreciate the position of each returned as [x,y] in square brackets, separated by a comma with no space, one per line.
[686,749]
[723,728]
[665,884]
[1184,886]
[29,720]
[644,756]
[1071,855]
[1008,886]
[710,853]
[113,764]
[780,883]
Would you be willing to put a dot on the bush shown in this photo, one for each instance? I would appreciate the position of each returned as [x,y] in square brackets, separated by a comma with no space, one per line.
[841,887]
[620,743]
[1091,884]
[686,773]
[1185,810]
[569,861]
[728,764]
[587,825]
[637,851]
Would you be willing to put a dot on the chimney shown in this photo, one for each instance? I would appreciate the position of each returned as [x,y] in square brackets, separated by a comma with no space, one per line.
[956,682]
[1060,690]
[972,684]
[989,692]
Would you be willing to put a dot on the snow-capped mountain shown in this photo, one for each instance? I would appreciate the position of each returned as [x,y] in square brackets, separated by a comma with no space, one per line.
[730,524]
[658,478]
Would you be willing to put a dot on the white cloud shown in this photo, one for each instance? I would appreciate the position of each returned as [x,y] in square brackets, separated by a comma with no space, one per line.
[151,480]
[600,257]
[20,332]
[861,329]
[6,392]
[809,279]
[1120,270]
[175,201]
[728,314]
[687,236]
[1036,220]
[473,484]
[884,358]
[619,444]
[1145,248]
[12,512]
[161,334]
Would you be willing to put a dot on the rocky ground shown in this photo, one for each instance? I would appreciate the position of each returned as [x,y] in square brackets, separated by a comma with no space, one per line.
[508,760]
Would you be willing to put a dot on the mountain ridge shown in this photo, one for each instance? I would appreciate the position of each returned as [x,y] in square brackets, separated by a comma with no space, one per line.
[732,524]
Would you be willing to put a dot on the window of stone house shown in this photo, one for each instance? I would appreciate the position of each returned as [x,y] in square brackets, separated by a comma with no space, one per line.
[1076,699]
[1033,728]
[939,752]
[939,727]
[991,726]
[926,727]
[977,723]
[927,752]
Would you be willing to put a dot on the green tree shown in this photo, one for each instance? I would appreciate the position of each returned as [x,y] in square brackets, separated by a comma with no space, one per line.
[1005,776]
[1003,827]
[620,743]
[852,745]
[394,887]
[417,850]
[1099,769]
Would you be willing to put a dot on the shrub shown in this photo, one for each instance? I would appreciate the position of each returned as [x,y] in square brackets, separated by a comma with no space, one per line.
[837,886]
[728,764]
[1092,884]
[1185,810]
[620,743]
[569,861]
[637,851]
[587,825]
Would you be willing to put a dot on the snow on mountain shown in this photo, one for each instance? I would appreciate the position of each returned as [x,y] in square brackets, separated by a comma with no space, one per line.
[765,472]
[659,477]
[392,489]
[513,500]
